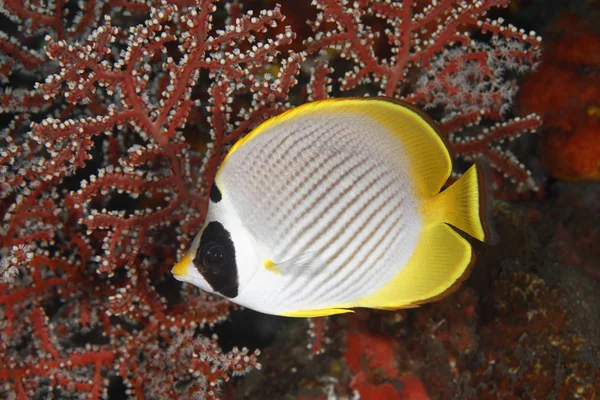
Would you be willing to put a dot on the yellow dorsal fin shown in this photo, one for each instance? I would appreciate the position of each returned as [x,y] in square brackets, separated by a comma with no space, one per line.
[462,205]
[430,161]
[429,158]
[317,313]
[441,260]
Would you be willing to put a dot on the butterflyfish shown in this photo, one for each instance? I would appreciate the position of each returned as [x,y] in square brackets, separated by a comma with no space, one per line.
[337,204]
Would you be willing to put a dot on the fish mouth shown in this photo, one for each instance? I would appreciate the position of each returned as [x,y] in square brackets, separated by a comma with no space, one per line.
[180,270]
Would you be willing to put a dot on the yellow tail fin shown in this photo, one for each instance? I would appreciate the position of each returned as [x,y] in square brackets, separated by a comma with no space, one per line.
[442,258]
[463,205]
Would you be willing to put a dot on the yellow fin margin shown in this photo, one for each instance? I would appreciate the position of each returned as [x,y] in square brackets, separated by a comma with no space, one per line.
[317,313]
[430,161]
[442,259]
[429,157]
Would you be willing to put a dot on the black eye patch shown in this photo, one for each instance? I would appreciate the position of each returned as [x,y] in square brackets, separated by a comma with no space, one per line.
[215,193]
[215,260]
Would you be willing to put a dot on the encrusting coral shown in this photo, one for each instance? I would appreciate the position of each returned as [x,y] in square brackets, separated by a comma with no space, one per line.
[570,140]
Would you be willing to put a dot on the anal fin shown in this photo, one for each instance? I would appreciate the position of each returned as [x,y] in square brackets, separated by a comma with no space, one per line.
[442,259]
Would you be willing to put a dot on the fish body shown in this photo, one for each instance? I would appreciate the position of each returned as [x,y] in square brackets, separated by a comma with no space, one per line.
[333,205]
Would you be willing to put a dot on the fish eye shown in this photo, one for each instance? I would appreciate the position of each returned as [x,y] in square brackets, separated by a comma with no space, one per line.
[213,255]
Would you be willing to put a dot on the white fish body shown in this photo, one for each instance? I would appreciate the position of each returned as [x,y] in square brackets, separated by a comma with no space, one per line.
[333,205]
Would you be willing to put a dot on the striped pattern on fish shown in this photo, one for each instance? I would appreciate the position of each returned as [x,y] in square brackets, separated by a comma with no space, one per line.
[346,184]
[322,208]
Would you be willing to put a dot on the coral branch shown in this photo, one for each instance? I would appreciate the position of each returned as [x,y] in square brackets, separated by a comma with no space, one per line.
[94,186]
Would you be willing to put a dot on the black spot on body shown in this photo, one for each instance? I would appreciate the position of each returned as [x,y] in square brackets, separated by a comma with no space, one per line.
[215,193]
[220,272]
